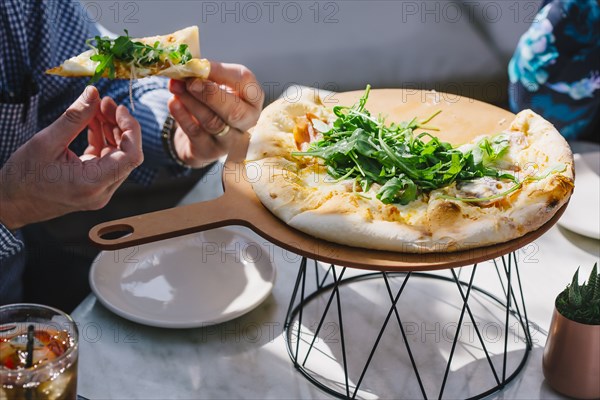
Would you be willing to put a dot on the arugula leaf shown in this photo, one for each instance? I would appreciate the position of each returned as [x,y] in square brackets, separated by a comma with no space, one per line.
[105,62]
[489,150]
[399,189]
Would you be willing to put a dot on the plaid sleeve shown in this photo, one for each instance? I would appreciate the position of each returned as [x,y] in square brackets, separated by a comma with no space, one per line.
[9,243]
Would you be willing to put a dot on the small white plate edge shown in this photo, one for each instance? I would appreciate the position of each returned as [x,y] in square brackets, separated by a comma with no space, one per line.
[185,324]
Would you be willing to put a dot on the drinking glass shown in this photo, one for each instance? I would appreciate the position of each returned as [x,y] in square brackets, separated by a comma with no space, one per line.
[38,353]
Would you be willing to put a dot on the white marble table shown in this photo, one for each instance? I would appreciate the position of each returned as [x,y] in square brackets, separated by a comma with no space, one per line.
[247,357]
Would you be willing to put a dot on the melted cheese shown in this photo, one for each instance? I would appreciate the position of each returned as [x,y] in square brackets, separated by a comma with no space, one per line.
[481,188]
[316,178]
[80,65]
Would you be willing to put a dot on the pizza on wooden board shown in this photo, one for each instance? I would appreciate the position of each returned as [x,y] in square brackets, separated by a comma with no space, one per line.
[176,55]
[353,178]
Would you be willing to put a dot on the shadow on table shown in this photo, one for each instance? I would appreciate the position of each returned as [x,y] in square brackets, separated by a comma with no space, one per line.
[589,245]
[521,386]
[244,349]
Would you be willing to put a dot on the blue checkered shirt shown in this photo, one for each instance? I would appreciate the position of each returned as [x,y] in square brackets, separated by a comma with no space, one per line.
[36,35]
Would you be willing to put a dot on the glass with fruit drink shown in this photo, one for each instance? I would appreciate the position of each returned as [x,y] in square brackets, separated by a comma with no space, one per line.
[38,353]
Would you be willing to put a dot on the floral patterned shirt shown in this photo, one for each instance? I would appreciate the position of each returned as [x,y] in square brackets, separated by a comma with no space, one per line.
[555,69]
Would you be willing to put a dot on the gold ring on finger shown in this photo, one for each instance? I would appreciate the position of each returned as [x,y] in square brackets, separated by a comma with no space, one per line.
[223,131]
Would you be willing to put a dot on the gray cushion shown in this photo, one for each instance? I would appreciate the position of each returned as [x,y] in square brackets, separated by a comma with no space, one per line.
[386,43]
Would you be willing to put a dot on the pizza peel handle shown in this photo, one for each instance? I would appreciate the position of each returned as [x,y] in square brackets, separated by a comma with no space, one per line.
[226,210]
[162,224]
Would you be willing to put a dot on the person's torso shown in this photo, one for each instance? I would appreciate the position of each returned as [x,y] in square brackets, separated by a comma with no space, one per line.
[37,35]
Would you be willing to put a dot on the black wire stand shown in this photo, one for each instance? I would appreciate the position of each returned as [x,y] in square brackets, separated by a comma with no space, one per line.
[327,287]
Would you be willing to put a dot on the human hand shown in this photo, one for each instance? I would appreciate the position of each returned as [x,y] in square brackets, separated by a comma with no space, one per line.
[210,113]
[43,179]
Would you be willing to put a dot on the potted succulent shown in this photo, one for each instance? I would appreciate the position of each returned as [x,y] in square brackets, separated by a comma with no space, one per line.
[571,361]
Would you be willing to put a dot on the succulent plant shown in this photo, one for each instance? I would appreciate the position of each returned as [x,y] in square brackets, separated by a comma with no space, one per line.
[581,303]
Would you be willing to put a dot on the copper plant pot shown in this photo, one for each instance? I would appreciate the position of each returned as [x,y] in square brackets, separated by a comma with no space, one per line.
[571,361]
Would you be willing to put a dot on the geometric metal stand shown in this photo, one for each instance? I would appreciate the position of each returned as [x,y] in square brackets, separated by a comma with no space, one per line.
[343,375]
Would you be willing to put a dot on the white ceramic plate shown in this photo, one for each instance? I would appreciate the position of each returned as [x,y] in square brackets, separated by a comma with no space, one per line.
[582,215]
[191,281]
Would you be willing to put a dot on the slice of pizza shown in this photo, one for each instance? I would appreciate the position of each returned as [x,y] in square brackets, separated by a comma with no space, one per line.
[176,55]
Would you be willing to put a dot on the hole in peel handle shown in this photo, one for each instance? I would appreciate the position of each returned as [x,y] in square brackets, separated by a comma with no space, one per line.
[115,231]
[109,234]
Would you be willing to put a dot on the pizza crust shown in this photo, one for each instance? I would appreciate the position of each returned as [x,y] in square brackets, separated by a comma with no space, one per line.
[273,134]
[298,191]
[354,230]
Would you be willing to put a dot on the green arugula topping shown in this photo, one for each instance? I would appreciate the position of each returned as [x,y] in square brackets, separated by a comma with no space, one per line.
[403,163]
[137,54]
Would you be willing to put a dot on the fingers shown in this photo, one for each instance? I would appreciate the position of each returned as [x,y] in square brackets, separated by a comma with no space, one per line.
[193,144]
[224,102]
[104,133]
[108,108]
[129,155]
[198,151]
[232,97]
[239,78]
[62,132]
[194,117]
[114,163]
[96,140]
[131,137]
[184,118]
[107,123]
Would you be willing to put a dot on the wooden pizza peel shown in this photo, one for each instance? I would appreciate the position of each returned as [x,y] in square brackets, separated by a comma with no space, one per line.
[461,120]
